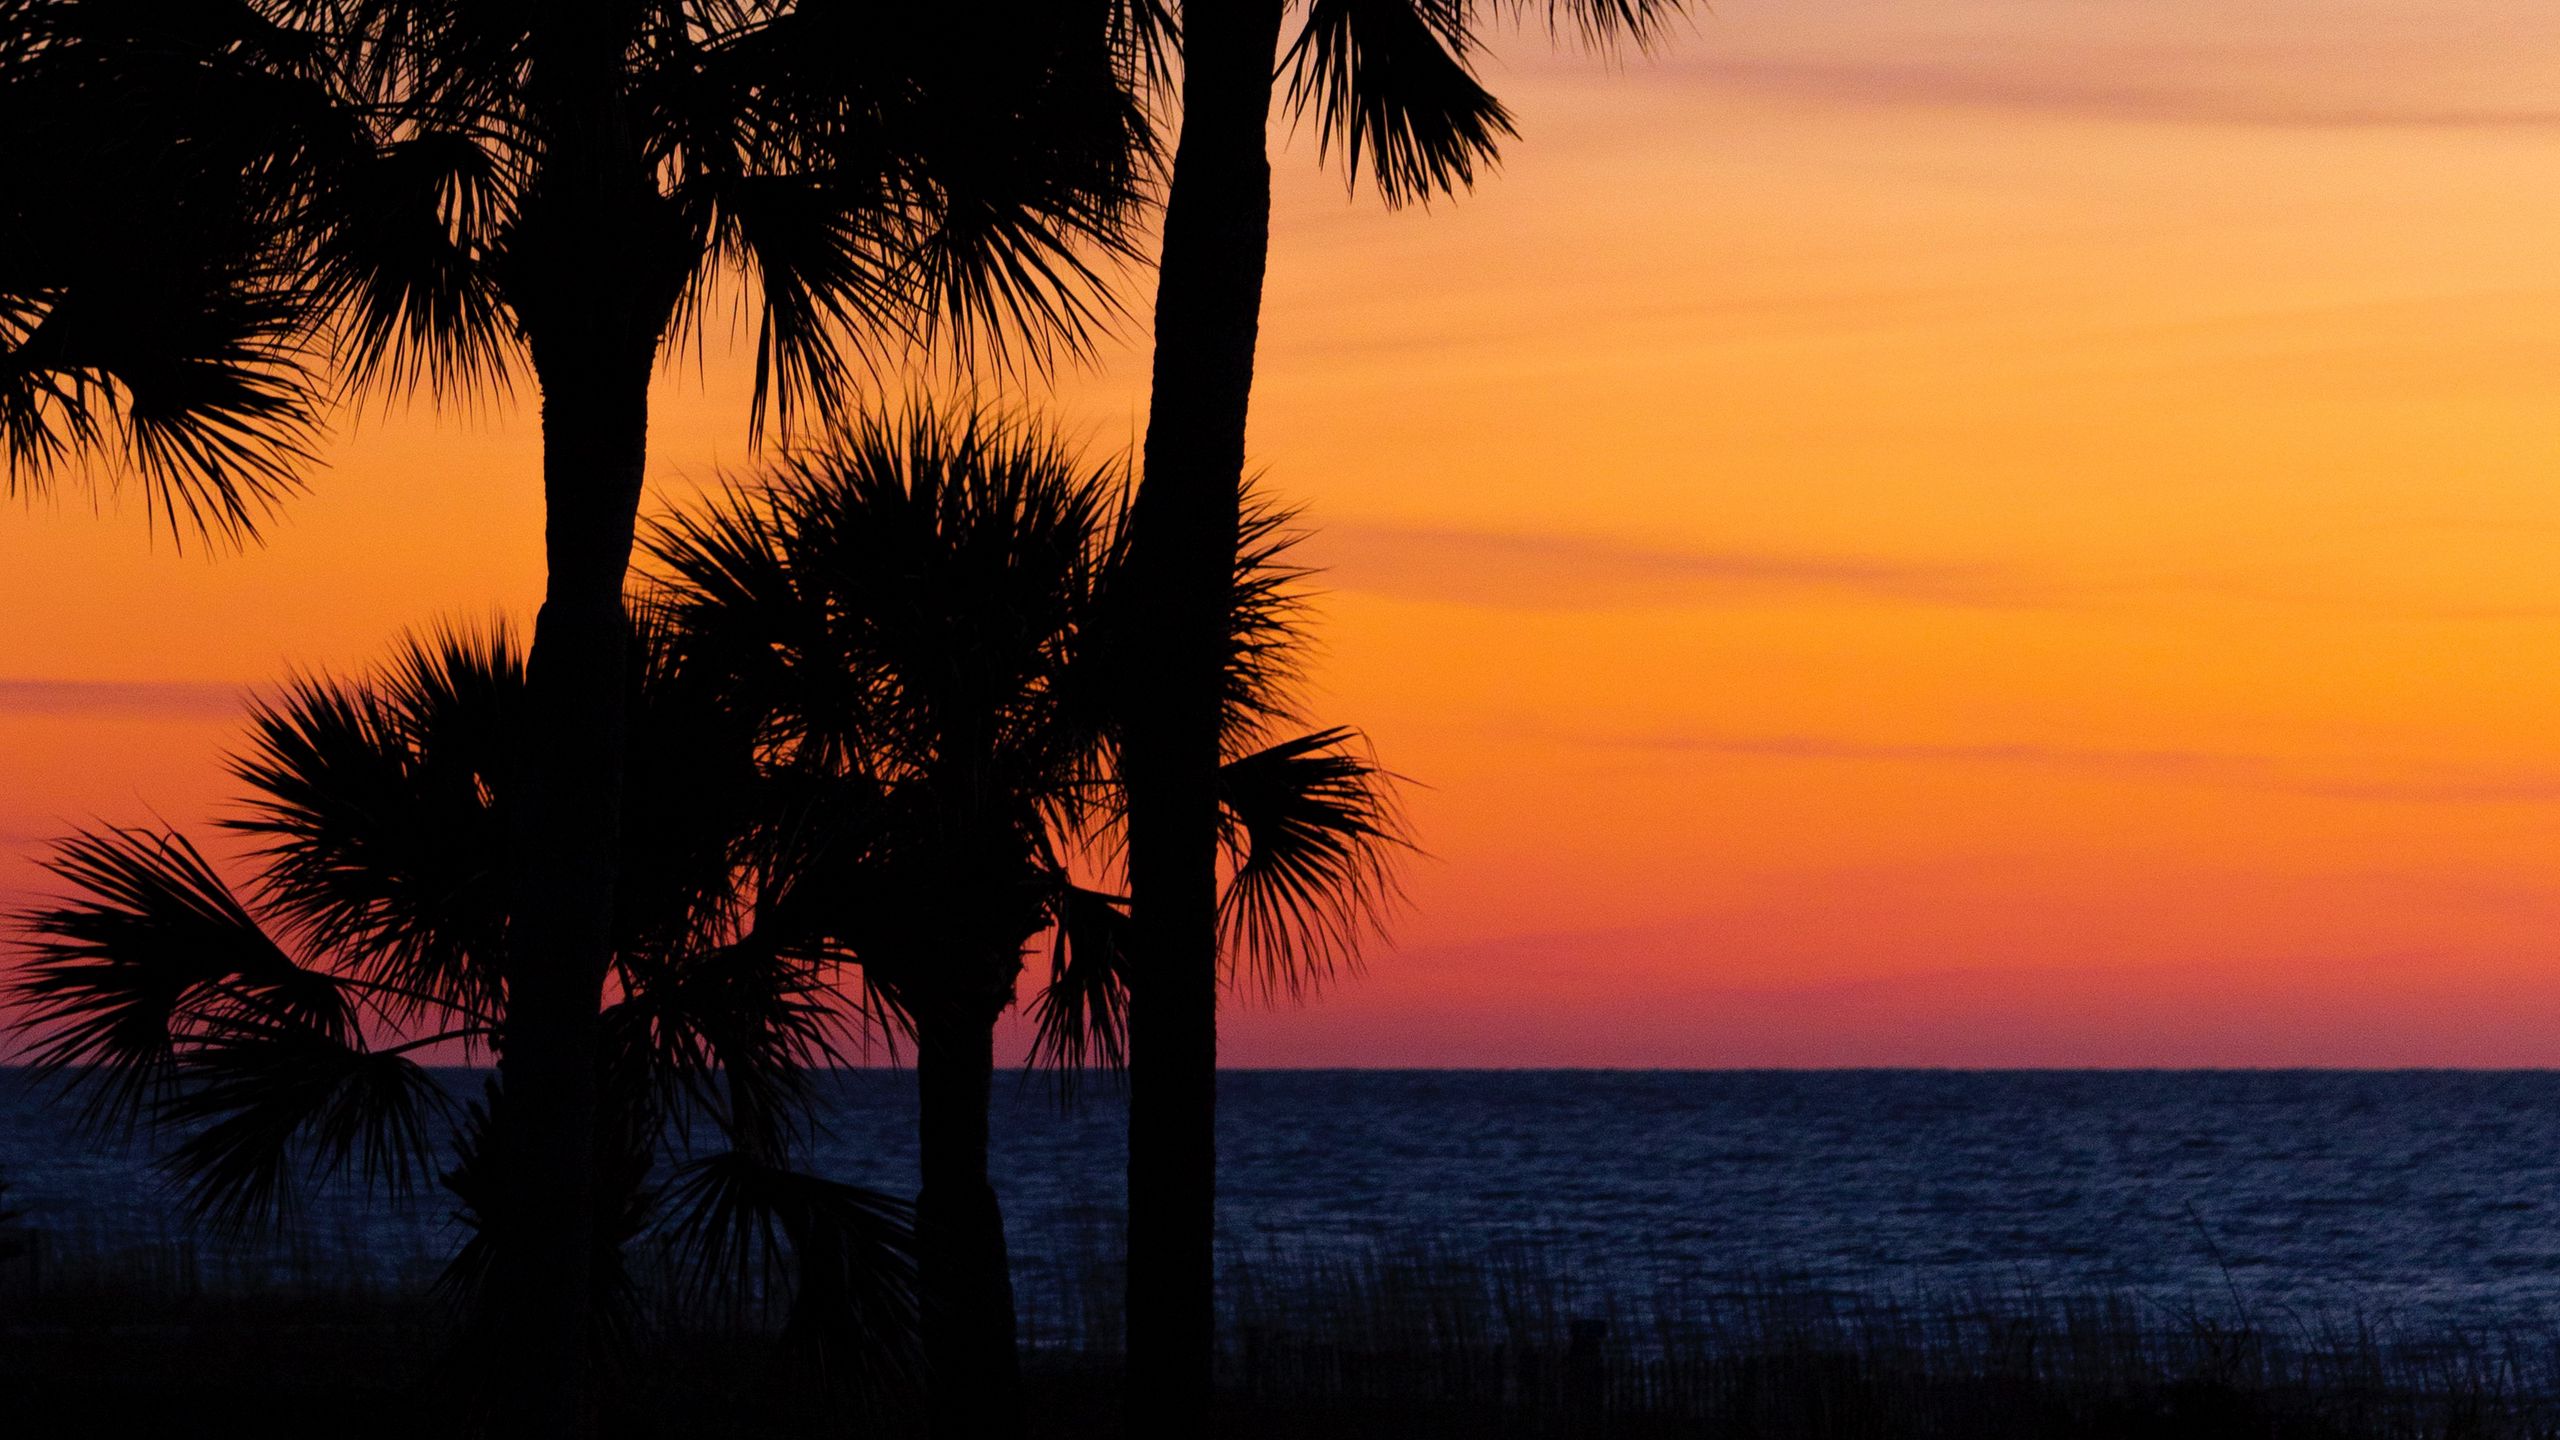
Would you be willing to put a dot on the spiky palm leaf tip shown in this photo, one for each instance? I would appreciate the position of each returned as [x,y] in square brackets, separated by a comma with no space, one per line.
[221,222]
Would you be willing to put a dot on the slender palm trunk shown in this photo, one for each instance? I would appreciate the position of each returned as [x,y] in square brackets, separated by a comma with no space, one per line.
[594,425]
[973,1373]
[1217,231]
[592,289]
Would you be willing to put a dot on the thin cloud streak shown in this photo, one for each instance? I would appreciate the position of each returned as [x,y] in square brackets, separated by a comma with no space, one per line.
[2222,769]
[1824,747]
[1520,570]
[2516,790]
[1955,85]
[24,696]
[1516,570]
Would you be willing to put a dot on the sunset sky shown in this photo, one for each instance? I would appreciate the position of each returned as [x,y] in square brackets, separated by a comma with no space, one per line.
[1987,532]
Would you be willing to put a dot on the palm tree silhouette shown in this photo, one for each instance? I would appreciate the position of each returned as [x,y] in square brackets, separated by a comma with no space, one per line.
[930,624]
[1388,82]
[280,1037]
[217,210]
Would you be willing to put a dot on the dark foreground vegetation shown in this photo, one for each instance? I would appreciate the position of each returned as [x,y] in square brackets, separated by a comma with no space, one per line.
[1391,1343]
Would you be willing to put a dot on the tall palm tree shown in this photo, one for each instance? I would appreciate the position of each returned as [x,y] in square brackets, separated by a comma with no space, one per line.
[1390,85]
[930,622]
[217,207]
[281,1035]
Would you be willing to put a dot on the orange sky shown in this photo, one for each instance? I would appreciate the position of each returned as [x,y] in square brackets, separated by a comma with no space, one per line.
[1980,533]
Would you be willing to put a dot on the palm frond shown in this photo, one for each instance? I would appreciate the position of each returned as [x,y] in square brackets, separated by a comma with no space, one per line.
[1146,35]
[908,601]
[843,1255]
[828,288]
[149,949]
[148,325]
[1030,155]
[733,1032]
[201,394]
[692,796]
[1601,25]
[954,175]
[379,810]
[1389,82]
[259,1093]
[404,234]
[1267,634]
[1313,836]
[1080,1019]
[745,607]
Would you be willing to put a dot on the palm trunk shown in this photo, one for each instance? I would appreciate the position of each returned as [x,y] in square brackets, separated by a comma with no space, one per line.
[592,286]
[594,427]
[973,1374]
[1217,232]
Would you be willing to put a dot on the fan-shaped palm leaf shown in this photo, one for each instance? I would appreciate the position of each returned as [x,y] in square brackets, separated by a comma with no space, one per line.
[381,811]
[1312,834]
[1267,637]
[1389,80]
[144,325]
[840,1257]
[157,988]
[900,602]
[258,1093]
[378,808]
[1080,1018]
[692,801]
[151,948]
[405,229]
[1602,25]
[731,1032]
[210,208]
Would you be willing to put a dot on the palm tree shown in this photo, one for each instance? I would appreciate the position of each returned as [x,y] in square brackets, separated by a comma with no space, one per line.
[930,623]
[280,1036]
[218,207]
[1390,84]
[140,325]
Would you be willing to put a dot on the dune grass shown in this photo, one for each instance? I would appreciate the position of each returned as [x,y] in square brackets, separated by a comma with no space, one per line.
[1393,1341]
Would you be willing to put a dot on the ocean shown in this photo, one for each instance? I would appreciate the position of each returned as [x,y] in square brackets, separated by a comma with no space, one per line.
[2414,1198]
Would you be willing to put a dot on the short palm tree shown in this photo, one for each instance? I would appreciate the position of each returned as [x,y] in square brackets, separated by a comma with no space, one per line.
[1390,86]
[279,1036]
[219,213]
[930,623]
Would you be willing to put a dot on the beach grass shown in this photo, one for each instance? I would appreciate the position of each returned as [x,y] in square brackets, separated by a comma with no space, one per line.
[1406,1341]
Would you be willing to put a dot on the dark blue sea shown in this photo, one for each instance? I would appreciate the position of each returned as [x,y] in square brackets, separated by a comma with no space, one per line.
[2406,1197]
